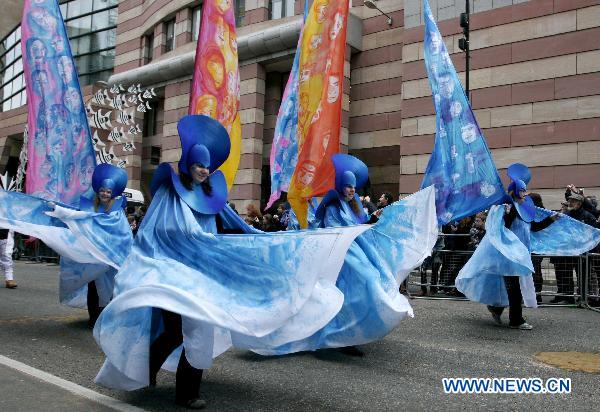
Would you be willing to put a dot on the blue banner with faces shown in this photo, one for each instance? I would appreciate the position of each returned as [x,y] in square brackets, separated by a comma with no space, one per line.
[61,156]
[461,166]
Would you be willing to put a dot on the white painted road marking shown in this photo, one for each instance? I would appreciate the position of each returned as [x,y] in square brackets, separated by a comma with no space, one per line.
[69,386]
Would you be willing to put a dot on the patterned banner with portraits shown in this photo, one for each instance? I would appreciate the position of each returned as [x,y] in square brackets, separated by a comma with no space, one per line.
[321,82]
[216,80]
[461,166]
[284,150]
[61,157]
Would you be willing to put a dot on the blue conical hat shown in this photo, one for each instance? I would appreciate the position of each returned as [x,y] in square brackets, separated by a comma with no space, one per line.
[201,136]
[110,177]
[349,170]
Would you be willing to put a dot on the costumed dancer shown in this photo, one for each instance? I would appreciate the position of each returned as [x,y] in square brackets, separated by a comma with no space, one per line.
[92,242]
[185,295]
[499,273]
[375,265]
[108,182]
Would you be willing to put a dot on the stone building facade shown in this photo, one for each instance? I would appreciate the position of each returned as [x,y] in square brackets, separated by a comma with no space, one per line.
[535,89]
[535,82]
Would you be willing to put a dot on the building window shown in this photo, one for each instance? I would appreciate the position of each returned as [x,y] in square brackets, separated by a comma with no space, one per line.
[196,19]
[170,35]
[155,152]
[240,12]
[12,88]
[281,8]
[102,4]
[91,26]
[150,120]
[148,48]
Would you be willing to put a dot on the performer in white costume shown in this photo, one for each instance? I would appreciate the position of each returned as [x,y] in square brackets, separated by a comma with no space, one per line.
[7,242]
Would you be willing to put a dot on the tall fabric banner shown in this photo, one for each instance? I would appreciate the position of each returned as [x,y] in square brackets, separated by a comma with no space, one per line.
[61,157]
[320,102]
[216,81]
[284,150]
[461,166]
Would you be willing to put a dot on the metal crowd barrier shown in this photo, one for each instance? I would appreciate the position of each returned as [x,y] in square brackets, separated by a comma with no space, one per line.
[34,250]
[558,280]
[592,292]
[435,278]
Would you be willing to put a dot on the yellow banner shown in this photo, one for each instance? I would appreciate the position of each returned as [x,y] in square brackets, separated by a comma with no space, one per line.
[321,82]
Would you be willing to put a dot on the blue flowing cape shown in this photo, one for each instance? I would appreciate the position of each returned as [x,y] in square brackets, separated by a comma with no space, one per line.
[92,245]
[507,252]
[375,265]
[568,237]
[229,289]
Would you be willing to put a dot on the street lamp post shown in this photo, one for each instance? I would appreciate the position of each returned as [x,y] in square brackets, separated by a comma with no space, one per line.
[463,43]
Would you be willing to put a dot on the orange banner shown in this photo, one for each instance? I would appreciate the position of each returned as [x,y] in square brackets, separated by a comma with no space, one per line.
[321,82]
[216,81]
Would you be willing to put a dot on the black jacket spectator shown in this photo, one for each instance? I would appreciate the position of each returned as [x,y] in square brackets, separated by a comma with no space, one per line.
[385,200]
[583,216]
[587,203]
[370,206]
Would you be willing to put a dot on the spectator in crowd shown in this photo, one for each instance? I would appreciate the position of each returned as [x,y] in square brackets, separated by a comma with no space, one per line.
[433,262]
[462,236]
[452,263]
[578,211]
[566,265]
[253,215]
[368,205]
[587,202]
[477,231]
[269,224]
[277,223]
[283,211]
[132,224]
[385,200]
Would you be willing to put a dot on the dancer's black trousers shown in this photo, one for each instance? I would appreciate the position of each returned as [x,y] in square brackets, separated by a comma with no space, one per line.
[93,303]
[188,378]
[515,313]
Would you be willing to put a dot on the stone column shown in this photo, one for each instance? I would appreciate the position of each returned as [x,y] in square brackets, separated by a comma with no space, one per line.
[247,185]
[183,27]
